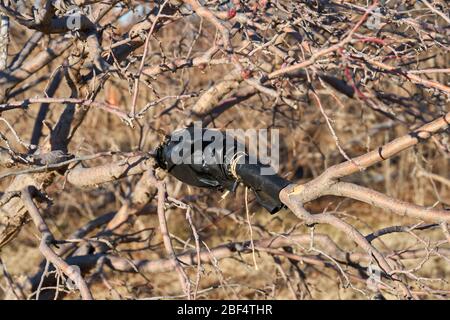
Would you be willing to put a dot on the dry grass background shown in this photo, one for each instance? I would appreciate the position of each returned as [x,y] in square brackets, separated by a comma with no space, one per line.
[306,144]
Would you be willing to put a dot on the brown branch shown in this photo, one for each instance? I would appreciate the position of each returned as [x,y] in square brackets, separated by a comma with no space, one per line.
[411,76]
[144,56]
[309,62]
[4,41]
[46,241]
[294,196]
[389,150]
[83,102]
[9,80]
[184,279]
[208,15]
[327,182]
[402,208]
[89,177]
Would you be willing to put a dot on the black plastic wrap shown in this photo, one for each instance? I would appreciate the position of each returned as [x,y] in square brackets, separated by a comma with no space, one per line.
[194,169]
